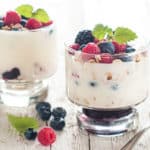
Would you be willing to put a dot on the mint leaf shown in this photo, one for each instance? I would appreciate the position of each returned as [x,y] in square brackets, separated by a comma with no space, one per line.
[21,124]
[25,10]
[123,35]
[100,31]
[41,15]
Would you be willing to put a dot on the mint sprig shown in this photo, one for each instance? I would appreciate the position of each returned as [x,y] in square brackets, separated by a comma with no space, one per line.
[100,31]
[21,124]
[41,15]
[123,35]
[25,10]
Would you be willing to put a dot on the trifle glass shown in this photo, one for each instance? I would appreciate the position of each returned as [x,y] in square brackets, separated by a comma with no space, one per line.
[28,58]
[107,79]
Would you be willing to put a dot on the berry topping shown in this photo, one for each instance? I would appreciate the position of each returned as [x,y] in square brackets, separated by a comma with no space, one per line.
[12,74]
[106,58]
[46,136]
[47,23]
[84,37]
[12,17]
[126,58]
[91,48]
[59,112]
[57,124]
[23,22]
[82,46]
[1,23]
[107,47]
[75,46]
[129,49]
[119,48]
[30,134]
[33,24]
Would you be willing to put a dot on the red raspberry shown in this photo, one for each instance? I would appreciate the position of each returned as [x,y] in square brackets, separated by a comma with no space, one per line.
[12,17]
[106,58]
[47,23]
[75,46]
[91,48]
[119,48]
[46,136]
[33,24]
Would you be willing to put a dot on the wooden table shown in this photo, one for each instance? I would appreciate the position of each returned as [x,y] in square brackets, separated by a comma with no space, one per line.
[71,138]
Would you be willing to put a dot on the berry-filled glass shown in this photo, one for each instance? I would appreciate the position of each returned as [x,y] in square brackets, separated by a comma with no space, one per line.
[28,55]
[107,74]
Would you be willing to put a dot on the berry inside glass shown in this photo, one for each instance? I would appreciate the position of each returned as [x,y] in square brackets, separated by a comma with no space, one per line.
[28,54]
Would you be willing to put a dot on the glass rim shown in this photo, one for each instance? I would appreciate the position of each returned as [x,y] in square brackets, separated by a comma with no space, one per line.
[31,30]
[136,52]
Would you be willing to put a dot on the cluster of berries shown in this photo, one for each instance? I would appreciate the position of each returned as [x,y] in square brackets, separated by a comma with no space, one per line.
[46,136]
[86,42]
[13,18]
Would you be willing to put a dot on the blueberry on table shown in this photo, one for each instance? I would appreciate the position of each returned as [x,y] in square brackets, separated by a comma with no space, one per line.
[57,124]
[40,106]
[45,114]
[30,134]
[59,112]
[107,47]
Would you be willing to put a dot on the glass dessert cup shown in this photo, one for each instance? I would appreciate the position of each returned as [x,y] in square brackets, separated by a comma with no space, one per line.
[107,92]
[28,59]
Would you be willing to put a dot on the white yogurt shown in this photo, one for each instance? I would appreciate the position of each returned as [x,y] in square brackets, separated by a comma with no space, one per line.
[34,53]
[108,86]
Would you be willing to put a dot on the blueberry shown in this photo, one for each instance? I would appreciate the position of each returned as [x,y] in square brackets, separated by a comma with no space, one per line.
[59,112]
[1,23]
[82,46]
[40,106]
[23,22]
[15,29]
[23,17]
[126,58]
[45,114]
[93,84]
[57,124]
[114,87]
[30,134]
[107,47]
[129,49]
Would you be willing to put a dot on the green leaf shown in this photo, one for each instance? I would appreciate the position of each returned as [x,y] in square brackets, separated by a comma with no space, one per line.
[21,124]
[41,15]
[100,31]
[123,35]
[25,10]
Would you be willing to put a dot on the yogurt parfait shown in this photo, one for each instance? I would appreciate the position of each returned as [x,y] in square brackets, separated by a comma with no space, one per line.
[28,51]
[106,72]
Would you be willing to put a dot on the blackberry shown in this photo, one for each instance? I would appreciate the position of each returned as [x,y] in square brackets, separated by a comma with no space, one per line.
[57,124]
[16,71]
[30,134]
[82,46]
[59,112]
[84,37]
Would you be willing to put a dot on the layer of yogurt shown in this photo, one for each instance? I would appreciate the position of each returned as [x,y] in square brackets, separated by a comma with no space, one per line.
[33,52]
[109,86]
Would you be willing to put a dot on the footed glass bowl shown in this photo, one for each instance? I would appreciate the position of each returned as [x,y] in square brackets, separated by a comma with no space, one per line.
[28,58]
[107,92]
